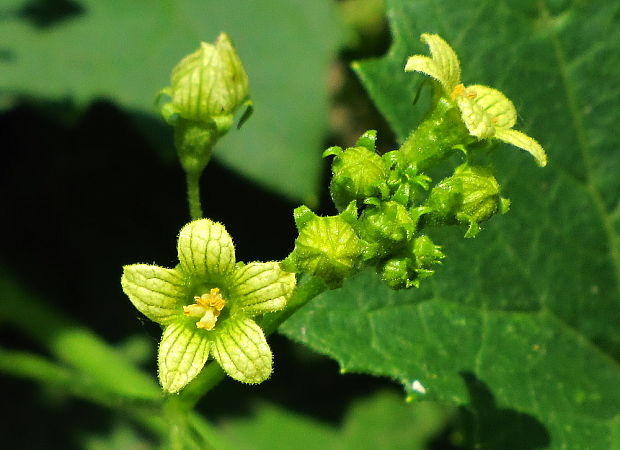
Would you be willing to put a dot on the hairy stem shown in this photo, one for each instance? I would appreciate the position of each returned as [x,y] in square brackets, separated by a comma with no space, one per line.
[193,193]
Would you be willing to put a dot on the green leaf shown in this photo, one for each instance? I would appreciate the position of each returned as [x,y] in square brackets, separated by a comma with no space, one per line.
[124,52]
[382,420]
[98,363]
[519,326]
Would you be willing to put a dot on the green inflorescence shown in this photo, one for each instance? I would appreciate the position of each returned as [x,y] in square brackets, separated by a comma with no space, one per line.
[390,202]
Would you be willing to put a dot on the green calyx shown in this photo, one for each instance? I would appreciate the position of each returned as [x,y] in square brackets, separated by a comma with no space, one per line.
[327,247]
[207,306]
[385,226]
[469,197]
[406,184]
[413,263]
[357,172]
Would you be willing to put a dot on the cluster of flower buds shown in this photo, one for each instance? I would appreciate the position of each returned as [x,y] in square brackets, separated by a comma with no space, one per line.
[380,202]
[388,203]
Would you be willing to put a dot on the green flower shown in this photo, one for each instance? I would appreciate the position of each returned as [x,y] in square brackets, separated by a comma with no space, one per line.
[486,112]
[206,305]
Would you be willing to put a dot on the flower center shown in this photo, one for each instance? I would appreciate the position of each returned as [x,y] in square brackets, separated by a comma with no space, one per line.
[459,90]
[208,307]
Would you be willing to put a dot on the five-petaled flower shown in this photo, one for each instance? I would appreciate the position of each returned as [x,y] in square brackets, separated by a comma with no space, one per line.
[486,112]
[206,305]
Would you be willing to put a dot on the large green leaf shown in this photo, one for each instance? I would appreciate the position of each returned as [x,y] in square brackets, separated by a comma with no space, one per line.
[124,51]
[520,325]
[380,421]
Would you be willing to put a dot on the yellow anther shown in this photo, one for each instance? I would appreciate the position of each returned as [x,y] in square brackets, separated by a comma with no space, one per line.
[208,307]
[458,90]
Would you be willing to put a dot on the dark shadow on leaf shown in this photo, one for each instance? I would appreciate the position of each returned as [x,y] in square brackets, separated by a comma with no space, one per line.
[486,426]
[6,55]
[47,13]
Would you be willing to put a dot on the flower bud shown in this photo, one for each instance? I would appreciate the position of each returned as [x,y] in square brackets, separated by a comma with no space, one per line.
[413,264]
[470,196]
[206,89]
[426,254]
[327,247]
[357,172]
[209,84]
[385,227]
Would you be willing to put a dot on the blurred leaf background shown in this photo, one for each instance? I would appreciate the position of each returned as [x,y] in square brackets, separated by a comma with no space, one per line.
[89,182]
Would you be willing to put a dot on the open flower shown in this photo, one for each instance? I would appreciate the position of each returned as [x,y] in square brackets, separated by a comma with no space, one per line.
[486,112]
[206,305]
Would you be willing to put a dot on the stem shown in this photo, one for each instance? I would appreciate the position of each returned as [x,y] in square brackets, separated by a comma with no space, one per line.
[436,136]
[193,193]
[176,417]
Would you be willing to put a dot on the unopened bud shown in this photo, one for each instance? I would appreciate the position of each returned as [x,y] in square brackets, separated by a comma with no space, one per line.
[357,172]
[210,83]
[385,227]
[470,197]
[327,247]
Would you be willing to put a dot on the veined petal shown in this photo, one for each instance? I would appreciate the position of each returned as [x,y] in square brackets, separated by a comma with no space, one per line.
[446,58]
[262,287]
[183,351]
[155,291]
[477,121]
[205,248]
[443,65]
[525,142]
[425,65]
[241,349]
[501,110]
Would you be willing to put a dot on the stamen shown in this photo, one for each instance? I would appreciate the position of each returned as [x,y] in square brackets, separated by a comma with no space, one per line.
[457,91]
[208,307]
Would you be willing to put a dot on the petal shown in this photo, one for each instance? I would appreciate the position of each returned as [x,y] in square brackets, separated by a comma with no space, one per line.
[427,66]
[242,351]
[262,287]
[183,351]
[155,291]
[525,142]
[495,104]
[477,121]
[206,249]
[444,65]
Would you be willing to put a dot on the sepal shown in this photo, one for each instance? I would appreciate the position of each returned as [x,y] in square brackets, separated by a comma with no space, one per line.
[327,247]
[469,197]
[413,264]
[385,227]
[357,172]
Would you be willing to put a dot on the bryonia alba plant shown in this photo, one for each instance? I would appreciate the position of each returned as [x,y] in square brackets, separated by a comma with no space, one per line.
[208,305]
